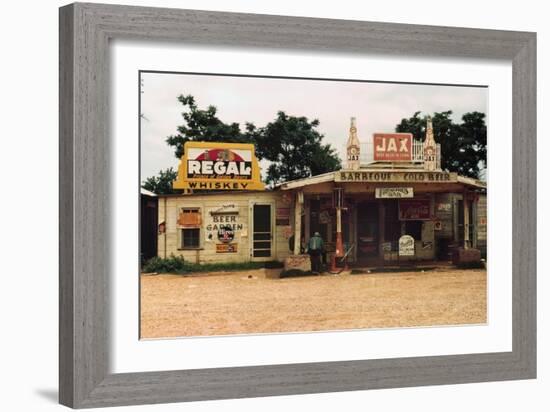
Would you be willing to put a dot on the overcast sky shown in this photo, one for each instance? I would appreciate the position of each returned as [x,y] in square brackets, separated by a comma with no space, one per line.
[378,107]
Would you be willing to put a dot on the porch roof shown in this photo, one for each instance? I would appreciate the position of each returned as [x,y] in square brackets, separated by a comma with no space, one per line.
[385,177]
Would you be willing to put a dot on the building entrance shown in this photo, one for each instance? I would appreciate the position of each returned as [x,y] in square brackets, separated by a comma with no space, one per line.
[368,234]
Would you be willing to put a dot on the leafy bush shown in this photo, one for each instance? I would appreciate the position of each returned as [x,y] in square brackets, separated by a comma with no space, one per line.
[177,264]
[172,264]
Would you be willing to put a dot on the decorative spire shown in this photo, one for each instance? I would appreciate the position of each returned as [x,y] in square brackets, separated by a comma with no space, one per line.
[429,133]
[430,155]
[353,147]
[352,139]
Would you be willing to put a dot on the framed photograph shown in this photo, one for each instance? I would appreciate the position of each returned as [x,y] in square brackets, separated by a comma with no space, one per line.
[256,205]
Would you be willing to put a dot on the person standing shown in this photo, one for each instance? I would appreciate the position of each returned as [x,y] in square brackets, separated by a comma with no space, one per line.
[315,250]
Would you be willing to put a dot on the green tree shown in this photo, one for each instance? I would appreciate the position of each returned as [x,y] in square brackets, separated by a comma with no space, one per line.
[161,184]
[291,144]
[205,126]
[474,133]
[295,149]
[463,145]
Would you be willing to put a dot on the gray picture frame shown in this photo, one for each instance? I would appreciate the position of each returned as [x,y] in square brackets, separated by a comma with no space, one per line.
[85,32]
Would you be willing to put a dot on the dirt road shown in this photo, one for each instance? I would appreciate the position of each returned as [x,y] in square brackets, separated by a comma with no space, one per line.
[253,302]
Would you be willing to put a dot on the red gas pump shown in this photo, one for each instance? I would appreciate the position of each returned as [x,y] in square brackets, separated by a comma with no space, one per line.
[338,204]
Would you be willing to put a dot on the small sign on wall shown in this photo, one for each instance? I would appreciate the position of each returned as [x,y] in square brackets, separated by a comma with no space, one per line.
[406,245]
[394,192]
[427,245]
[414,209]
[226,248]
[226,234]
[282,216]
[324,217]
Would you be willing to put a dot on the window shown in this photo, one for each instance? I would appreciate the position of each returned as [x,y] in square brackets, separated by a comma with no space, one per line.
[190,238]
[189,222]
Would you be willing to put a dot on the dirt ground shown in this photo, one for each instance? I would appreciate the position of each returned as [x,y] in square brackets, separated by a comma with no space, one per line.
[257,302]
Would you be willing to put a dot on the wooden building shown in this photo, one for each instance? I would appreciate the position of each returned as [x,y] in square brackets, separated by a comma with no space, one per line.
[225,226]
[391,203]
[440,211]
[148,212]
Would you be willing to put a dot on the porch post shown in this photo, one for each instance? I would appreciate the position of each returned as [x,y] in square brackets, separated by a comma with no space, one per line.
[474,223]
[307,223]
[298,203]
[381,227]
[338,203]
[339,243]
[466,204]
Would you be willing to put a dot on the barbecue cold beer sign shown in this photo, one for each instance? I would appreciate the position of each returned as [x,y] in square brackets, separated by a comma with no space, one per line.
[218,166]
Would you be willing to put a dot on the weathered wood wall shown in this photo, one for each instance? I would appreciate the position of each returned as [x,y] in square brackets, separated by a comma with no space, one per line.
[169,243]
[482,225]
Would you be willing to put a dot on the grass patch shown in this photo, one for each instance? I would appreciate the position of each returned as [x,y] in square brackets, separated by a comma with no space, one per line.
[177,264]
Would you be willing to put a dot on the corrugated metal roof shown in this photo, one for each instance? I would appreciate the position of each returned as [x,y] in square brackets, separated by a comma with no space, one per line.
[147,192]
[330,177]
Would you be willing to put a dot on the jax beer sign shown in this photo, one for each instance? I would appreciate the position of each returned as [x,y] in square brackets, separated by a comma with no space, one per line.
[393,147]
[218,166]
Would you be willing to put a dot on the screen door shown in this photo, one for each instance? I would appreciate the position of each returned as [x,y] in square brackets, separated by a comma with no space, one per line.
[261,231]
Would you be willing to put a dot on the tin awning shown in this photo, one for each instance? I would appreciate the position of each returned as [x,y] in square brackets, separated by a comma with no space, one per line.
[385,176]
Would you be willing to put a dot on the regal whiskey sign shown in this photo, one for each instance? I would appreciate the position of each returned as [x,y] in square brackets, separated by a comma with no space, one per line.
[393,147]
[218,166]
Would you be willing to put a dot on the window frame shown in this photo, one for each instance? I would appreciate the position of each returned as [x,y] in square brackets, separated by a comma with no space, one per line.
[181,230]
